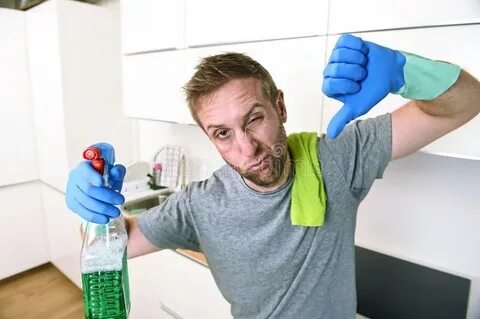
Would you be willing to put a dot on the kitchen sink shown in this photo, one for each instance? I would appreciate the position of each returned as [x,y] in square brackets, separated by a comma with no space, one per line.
[139,205]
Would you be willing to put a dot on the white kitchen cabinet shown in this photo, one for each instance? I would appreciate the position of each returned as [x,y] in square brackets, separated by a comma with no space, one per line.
[75,63]
[153,82]
[23,243]
[296,66]
[212,22]
[17,144]
[453,44]
[63,234]
[167,282]
[152,87]
[149,25]
[357,16]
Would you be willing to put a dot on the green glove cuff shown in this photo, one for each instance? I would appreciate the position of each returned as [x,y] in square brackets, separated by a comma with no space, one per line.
[425,79]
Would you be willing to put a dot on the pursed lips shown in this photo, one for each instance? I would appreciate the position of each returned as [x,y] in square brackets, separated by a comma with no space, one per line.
[256,164]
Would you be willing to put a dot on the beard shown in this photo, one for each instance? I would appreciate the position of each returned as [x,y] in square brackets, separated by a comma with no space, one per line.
[274,164]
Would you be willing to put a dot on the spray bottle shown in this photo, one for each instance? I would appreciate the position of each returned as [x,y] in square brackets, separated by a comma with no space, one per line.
[104,253]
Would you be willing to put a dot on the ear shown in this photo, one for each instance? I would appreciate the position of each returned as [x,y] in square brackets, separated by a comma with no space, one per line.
[280,107]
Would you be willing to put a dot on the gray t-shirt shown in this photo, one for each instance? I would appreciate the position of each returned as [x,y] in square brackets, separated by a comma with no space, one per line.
[263,265]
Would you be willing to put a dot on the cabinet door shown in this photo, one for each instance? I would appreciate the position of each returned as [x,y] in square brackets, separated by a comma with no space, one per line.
[76,83]
[17,162]
[169,284]
[63,234]
[23,244]
[356,16]
[47,92]
[215,22]
[452,44]
[149,25]
[296,66]
[152,85]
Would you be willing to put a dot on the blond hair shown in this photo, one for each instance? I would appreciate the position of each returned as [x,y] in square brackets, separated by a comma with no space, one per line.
[216,70]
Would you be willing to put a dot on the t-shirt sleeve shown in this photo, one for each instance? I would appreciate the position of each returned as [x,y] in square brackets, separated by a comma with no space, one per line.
[362,152]
[169,225]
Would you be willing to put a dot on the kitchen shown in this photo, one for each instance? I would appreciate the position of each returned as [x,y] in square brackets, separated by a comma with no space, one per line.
[75,73]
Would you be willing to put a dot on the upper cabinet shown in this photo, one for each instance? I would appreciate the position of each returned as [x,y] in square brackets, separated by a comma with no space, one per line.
[76,85]
[155,25]
[290,40]
[296,67]
[149,25]
[152,87]
[17,142]
[153,82]
[357,16]
[211,22]
[453,44]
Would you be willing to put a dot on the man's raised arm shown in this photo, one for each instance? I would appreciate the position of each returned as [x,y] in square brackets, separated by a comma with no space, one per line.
[360,74]
[420,122]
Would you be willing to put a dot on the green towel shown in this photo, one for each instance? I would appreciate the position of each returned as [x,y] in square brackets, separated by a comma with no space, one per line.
[309,200]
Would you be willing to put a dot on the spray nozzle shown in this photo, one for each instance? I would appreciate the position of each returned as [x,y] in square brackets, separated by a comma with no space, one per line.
[100,154]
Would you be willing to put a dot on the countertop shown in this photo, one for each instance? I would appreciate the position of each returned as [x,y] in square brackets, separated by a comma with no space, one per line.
[195,256]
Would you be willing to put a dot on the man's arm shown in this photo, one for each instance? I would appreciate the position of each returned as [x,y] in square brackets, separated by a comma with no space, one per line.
[360,74]
[138,244]
[418,123]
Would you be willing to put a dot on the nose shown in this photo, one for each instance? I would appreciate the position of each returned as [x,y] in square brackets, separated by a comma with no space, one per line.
[247,144]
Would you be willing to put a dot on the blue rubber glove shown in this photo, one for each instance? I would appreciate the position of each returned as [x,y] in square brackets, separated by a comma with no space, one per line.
[360,74]
[88,198]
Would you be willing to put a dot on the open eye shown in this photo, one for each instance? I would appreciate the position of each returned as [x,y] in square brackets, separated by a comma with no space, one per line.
[222,134]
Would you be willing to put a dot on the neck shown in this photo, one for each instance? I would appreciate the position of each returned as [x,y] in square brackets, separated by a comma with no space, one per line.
[287,169]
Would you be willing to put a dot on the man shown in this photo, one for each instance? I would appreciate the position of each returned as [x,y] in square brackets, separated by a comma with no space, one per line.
[240,217]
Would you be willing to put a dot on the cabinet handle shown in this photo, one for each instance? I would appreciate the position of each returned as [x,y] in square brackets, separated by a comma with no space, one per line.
[170,311]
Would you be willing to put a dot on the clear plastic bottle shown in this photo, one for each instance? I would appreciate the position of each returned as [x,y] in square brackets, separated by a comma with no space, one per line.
[157,174]
[106,292]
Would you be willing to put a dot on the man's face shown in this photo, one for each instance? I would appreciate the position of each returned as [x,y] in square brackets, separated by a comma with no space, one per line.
[247,129]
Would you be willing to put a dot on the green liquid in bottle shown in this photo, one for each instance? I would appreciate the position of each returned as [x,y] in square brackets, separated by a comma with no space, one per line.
[104,295]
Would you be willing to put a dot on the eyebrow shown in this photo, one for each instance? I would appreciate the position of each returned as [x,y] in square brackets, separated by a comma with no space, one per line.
[245,117]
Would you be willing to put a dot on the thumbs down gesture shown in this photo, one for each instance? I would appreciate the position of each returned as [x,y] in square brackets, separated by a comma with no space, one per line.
[360,74]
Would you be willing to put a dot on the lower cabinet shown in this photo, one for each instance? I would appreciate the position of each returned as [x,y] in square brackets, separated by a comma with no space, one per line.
[23,243]
[63,234]
[168,285]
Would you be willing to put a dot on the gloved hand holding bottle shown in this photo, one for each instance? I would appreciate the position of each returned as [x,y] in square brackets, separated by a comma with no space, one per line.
[361,73]
[92,191]
[87,197]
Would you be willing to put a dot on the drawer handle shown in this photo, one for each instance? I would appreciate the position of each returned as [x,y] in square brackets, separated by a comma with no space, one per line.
[170,311]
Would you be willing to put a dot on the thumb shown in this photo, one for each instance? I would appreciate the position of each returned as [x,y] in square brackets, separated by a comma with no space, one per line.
[339,120]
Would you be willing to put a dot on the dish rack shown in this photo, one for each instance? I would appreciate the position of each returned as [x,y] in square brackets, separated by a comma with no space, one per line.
[168,168]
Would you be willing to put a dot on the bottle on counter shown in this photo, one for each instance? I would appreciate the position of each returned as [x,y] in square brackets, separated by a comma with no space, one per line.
[157,174]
